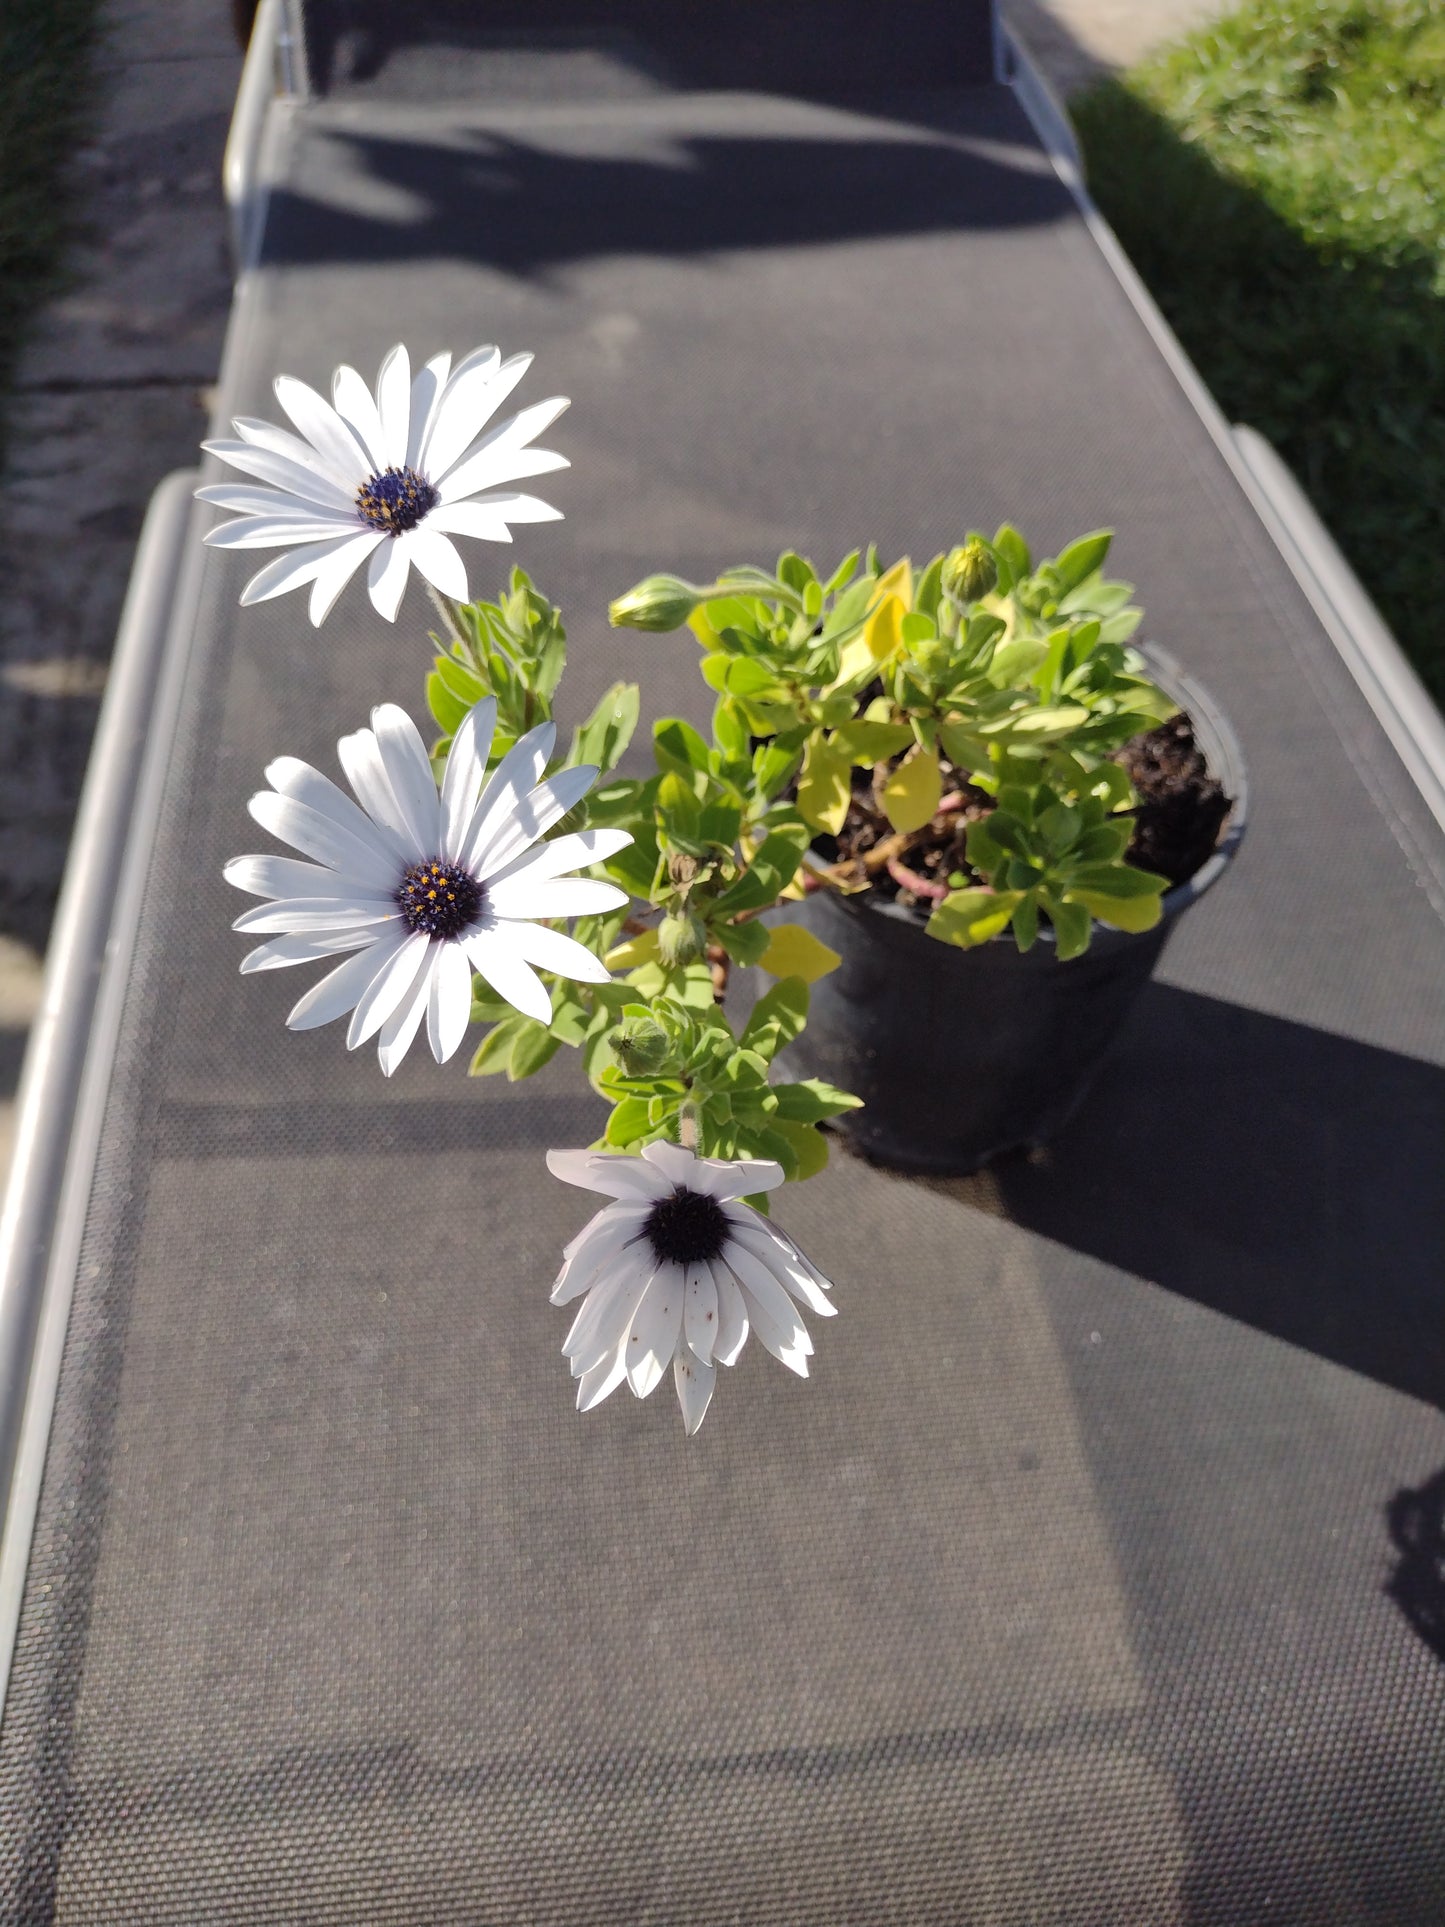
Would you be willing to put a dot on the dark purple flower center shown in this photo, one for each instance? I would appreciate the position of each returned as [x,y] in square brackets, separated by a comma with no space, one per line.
[686,1228]
[396,500]
[439,899]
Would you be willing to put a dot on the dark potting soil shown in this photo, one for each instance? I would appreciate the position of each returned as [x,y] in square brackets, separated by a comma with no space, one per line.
[1180,812]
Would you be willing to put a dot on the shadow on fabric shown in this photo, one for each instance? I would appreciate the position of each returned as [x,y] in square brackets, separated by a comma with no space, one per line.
[1282,1175]
[523,207]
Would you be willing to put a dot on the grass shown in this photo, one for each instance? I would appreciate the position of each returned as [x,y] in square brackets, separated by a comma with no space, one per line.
[1279,181]
[46,97]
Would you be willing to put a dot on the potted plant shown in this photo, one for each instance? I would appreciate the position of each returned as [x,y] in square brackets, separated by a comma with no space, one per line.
[1010,807]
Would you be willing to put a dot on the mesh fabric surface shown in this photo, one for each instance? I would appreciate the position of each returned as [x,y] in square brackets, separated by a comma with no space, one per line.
[1094,1575]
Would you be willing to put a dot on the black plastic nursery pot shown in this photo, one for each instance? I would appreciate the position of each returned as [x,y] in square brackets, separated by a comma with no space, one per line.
[962,1055]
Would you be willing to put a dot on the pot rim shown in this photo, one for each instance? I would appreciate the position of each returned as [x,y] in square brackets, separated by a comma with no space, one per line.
[1224,757]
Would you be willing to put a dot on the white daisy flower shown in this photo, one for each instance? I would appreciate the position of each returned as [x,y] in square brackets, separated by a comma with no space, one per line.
[677,1270]
[424,888]
[386,479]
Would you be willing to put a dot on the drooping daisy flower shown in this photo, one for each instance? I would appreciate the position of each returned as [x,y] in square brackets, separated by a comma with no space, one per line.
[677,1270]
[424,888]
[386,478]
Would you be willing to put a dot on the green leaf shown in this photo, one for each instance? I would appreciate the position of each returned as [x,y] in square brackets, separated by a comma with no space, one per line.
[811,1100]
[772,869]
[773,767]
[679,748]
[534,1046]
[778,1016]
[1012,549]
[494,1053]
[863,741]
[464,683]
[1026,922]
[745,943]
[443,705]
[627,1124]
[808,1145]
[1119,880]
[1081,558]
[608,730]
[969,917]
[1071,925]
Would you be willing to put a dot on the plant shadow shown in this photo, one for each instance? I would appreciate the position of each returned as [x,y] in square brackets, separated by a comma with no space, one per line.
[1416,1519]
[1282,1175]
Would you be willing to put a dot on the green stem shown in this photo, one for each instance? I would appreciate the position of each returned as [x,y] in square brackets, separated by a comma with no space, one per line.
[447,610]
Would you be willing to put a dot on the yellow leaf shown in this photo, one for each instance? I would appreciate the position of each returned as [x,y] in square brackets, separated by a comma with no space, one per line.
[637,950]
[898,581]
[883,631]
[825,787]
[855,660]
[912,792]
[1124,913]
[795,952]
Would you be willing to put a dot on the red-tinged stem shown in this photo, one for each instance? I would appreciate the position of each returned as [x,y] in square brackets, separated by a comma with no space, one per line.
[911,880]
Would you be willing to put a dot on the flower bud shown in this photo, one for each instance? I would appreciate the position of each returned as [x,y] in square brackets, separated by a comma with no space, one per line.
[661,602]
[970,572]
[681,939]
[640,1047]
[681,869]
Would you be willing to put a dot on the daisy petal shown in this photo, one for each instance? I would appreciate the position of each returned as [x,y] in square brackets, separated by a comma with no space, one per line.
[694,1379]
[386,578]
[531,819]
[603,1319]
[314,913]
[282,876]
[562,897]
[652,1337]
[605,1238]
[404,1022]
[732,1317]
[327,433]
[517,773]
[505,439]
[481,516]
[438,561]
[611,1172]
[466,767]
[551,950]
[305,481]
[572,852]
[393,401]
[336,992]
[334,574]
[366,772]
[474,394]
[405,957]
[675,1162]
[427,388]
[280,441]
[352,400]
[307,830]
[509,974]
[770,1249]
[300,523]
[290,571]
[699,1312]
[449,1005]
[600,1383]
[245,499]
[290,776]
[408,771]
[307,947]
[729,1178]
[770,1309]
